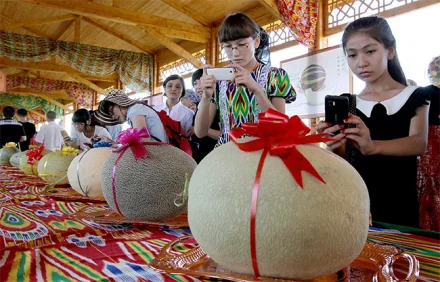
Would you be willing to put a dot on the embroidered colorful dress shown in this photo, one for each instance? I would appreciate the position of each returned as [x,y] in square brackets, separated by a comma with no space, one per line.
[238,105]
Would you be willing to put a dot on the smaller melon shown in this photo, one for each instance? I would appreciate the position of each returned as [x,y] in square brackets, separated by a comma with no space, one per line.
[88,173]
[29,169]
[6,154]
[148,188]
[52,167]
[15,159]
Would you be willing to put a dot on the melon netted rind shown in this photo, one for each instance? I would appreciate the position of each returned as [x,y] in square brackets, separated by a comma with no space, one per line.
[90,167]
[147,188]
[15,159]
[30,169]
[53,166]
[300,233]
[6,153]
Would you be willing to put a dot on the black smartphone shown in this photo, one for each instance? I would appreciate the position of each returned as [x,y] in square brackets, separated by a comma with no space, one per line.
[336,109]
[95,140]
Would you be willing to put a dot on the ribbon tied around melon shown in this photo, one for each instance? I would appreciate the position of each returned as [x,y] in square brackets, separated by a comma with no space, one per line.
[35,154]
[132,139]
[278,135]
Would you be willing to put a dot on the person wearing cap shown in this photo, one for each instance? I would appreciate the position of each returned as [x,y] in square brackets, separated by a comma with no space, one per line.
[174,90]
[203,146]
[117,108]
[84,130]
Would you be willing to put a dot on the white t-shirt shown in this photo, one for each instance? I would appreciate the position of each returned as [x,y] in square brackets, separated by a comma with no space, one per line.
[114,131]
[50,136]
[179,112]
[81,138]
[154,124]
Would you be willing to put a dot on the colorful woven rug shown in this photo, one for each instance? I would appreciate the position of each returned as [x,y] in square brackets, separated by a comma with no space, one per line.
[39,241]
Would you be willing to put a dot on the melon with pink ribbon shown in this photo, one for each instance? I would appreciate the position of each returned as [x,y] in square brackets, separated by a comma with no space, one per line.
[146,180]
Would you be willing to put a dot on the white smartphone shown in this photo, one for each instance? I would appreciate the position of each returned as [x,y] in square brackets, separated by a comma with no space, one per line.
[221,73]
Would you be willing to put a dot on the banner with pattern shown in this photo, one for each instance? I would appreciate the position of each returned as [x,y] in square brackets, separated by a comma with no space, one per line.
[135,69]
[80,93]
[301,16]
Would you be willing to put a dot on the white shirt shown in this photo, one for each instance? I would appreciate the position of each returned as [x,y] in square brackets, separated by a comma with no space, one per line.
[50,136]
[114,131]
[179,112]
[392,105]
[81,138]
[152,119]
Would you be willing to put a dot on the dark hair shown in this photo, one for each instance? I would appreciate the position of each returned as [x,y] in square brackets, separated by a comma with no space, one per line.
[196,75]
[8,112]
[22,112]
[174,77]
[81,115]
[237,26]
[51,115]
[93,120]
[379,29]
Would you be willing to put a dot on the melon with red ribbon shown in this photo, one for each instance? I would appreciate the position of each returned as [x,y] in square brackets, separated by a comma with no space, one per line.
[276,204]
[145,180]
[29,161]
[52,168]
[84,172]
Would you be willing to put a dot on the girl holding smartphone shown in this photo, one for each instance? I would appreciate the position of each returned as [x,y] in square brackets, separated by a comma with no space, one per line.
[254,88]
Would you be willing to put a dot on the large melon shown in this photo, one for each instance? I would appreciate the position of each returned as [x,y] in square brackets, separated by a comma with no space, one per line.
[53,166]
[15,159]
[30,169]
[313,77]
[300,233]
[147,188]
[88,173]
[6,153]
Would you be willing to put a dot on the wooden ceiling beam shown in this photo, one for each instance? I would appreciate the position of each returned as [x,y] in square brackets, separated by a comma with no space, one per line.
[37,22]
[77,32]
[37,113]
[87,82]
[40,95]
[119,15]
[181,34]
[63,30]
[173,47]
[187,12]
[47,67]
[119,35]
[116,3]
[271,6]
[58,94]
[29,29]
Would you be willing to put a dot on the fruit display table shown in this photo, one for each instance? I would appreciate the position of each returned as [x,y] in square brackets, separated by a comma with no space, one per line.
[43,239]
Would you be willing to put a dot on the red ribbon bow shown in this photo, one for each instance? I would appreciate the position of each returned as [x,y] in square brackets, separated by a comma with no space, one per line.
[277,135]
[34,154]
[132,138]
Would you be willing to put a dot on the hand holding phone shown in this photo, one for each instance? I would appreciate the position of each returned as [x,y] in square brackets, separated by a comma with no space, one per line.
[336,109]
[221,73]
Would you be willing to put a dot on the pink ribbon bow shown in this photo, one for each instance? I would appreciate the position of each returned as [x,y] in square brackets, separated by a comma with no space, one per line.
[132,138]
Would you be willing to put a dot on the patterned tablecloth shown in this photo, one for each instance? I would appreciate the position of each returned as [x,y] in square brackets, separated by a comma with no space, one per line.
[41,241]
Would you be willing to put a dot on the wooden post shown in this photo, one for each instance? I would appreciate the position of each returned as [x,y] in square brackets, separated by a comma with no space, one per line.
[215,47]
[208,52]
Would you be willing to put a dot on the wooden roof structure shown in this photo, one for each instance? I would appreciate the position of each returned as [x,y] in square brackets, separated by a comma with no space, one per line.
[167,29]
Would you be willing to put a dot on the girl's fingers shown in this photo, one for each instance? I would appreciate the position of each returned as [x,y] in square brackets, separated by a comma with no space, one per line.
[355,130]
[337,144]
[334,128]
[339,136]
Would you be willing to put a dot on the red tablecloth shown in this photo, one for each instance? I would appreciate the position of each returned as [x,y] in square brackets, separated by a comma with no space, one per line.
[40,241]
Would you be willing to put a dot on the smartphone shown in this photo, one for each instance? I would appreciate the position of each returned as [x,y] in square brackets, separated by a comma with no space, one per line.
[336,109]
[95,140]
[221,73]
